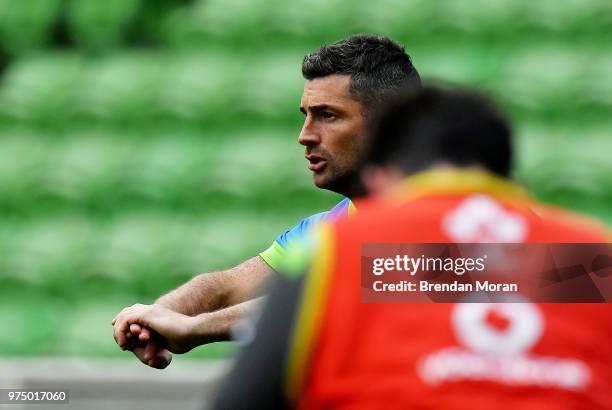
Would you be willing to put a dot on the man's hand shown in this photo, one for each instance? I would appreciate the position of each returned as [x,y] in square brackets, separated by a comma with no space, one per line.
[207,296]
[146,347]
[172,330]
[153,355]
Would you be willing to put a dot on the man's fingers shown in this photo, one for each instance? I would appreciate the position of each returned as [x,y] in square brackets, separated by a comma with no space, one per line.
[145,334]
[122,324]
[135,329]
[120,330]
[151,351]
[139,352]
[157,356]
[162,359]
[130,333]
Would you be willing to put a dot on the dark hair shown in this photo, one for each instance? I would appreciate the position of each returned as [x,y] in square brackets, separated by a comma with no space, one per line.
[434,125]
[378,67]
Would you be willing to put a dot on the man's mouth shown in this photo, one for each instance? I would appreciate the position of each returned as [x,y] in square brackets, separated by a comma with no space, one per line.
[316,163]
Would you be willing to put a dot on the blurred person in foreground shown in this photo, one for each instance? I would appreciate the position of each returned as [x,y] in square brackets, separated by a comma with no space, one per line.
[345,84]
[317,345]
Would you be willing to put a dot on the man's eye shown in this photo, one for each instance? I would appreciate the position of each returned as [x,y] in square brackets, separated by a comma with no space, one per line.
[328,115]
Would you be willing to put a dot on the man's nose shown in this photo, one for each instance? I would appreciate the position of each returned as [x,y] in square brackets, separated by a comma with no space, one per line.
[309,136]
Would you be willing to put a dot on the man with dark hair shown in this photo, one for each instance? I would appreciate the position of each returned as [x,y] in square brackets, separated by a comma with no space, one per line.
[377,66]
[439,162]
[345,82]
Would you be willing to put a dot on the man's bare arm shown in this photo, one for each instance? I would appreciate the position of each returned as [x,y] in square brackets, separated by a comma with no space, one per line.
[174,331]
[217,326]
[211,291]
[208,293]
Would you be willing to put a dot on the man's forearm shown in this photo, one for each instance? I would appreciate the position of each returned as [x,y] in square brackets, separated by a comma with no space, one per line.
[217,326]
[211,291]
[204,293]
[177,332]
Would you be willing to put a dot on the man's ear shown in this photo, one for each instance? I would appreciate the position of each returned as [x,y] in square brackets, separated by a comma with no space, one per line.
[377,179]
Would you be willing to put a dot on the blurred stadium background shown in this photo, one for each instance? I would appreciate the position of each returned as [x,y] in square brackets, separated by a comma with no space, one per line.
[142,142]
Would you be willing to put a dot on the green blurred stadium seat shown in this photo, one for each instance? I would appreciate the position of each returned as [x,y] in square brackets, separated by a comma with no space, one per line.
[168,170]
[121,87]
[459,66]
[84,170]
[542,78]
[236,19]
[310,19]
[200,87]
[98,24]
[39,88]
[401,19]
[484,16]
[19,311]
[596,87]
[256,164]
[21,164]
[26,25]
[574,15]
[273,86]
[48,252]
[557,165]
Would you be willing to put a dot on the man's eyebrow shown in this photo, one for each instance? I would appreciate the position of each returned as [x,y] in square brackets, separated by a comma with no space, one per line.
[320,107]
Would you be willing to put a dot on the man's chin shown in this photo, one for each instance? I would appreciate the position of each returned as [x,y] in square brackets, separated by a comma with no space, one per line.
[345,185]
[319,181]
[326,181]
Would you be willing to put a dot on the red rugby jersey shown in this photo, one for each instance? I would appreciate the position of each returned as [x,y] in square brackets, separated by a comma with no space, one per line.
[346,354]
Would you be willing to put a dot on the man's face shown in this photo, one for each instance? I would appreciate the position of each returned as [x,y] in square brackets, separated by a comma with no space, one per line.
[332,133]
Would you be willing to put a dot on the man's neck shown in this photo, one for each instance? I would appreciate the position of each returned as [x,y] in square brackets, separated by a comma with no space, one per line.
[352,191]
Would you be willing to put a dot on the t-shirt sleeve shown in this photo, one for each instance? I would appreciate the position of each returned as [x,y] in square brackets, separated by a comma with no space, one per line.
[276,255]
